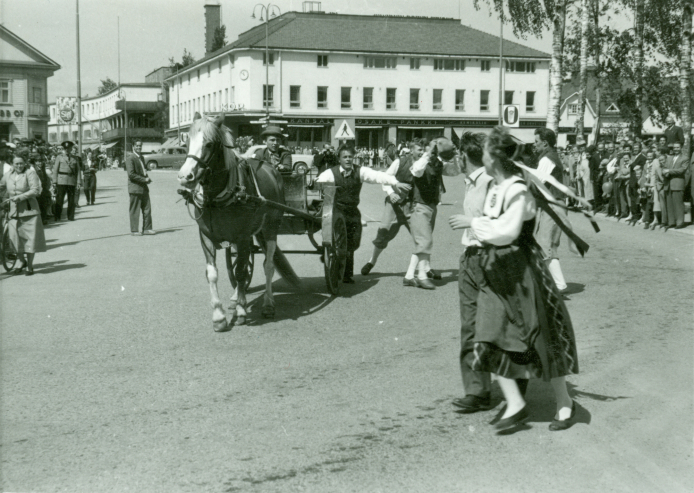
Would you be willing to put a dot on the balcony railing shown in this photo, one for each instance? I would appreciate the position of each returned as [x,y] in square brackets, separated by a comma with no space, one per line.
[143,133]
[38,109]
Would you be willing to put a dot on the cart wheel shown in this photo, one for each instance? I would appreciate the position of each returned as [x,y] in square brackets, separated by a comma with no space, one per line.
[231,253]
[9,256]
[335,256]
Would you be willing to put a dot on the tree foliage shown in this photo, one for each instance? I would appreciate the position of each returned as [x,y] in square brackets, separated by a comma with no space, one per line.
[220,38]
[186,59]
[107,85]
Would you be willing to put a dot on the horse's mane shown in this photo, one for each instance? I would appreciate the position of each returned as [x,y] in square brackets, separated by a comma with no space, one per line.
[212,132]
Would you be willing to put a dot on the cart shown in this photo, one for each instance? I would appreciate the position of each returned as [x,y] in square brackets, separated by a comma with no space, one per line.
[309,209]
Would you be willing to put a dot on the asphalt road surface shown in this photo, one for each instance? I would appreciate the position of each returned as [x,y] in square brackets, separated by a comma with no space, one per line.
[113,379]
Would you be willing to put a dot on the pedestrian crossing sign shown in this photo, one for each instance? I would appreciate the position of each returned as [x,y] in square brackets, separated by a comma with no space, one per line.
[344,132]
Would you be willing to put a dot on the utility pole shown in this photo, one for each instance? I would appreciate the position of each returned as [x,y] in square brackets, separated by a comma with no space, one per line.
[79,83]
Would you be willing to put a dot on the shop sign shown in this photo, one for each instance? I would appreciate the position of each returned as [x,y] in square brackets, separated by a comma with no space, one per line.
[310,121]
[66,109]
[11,113]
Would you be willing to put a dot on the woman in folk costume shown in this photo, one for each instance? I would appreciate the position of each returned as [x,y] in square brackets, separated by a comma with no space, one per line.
[523,329]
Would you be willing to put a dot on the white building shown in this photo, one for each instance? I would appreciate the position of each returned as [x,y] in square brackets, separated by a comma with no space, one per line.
[391,78]
[24,73]
[105,121]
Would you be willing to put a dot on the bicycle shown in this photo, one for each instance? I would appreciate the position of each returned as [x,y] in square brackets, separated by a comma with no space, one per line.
[8,253]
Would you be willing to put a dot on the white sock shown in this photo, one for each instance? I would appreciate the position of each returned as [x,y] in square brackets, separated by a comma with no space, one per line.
[557,275]
[412,267]
[422,267]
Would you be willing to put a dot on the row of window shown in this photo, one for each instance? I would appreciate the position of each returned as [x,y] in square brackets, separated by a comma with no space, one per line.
[211,102]
[390,62]
[391,98]
[35,95]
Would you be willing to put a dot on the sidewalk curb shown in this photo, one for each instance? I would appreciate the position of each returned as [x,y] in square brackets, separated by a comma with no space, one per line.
[688,230]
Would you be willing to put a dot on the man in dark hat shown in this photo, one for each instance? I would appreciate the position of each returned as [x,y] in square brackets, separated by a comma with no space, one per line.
[66,176]
[279,157]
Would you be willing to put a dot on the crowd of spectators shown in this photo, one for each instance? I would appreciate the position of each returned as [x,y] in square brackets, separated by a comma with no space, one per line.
[644,182]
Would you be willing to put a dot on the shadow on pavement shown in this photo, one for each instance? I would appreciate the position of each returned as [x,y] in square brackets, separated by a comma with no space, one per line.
[69,243]
[57,266]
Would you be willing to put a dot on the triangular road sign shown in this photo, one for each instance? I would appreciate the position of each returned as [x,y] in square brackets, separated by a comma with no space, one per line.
[345,132]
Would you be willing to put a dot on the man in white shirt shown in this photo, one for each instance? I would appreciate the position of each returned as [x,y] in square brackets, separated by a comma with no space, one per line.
[476,385]
[349,178]
[398,209]
[547,233]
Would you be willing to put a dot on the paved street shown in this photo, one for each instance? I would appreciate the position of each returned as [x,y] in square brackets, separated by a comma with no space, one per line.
[113,380]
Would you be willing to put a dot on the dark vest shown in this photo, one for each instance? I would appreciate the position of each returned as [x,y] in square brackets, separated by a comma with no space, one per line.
[348,189]
[427,188]
[403,173]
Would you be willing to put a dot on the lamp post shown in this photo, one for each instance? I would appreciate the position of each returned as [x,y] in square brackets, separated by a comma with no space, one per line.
[270,10]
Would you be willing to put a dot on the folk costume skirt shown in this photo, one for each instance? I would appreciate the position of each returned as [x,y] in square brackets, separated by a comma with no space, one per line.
[26,234]
[523,329]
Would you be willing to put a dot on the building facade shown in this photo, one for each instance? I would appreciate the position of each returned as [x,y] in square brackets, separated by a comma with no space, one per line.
[129,111]
[24,73]
[430,77]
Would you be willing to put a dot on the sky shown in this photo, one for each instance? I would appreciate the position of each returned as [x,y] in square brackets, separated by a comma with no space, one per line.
[151,31]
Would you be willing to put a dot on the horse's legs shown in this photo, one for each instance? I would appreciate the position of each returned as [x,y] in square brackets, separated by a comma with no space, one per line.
[269,266]
[234,282]
[219,318]
[244,252]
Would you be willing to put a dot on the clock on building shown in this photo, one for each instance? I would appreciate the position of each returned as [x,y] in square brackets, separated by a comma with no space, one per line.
[243,74]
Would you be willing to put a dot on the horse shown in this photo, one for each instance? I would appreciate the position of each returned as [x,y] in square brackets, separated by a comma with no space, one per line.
[215,178]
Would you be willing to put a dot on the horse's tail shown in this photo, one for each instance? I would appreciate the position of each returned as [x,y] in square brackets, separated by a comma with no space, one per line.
[282,265]
[285,269]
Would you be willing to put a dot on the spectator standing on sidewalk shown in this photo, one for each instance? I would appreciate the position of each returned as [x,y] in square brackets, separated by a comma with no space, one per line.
[138,189]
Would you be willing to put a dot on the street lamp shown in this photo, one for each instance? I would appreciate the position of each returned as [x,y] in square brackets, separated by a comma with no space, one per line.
[270,10]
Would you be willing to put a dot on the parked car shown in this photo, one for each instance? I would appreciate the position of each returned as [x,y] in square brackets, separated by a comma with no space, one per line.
[169,157]
[301,163]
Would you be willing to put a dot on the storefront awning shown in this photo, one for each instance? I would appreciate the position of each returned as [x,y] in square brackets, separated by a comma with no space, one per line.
[108,146]
[368,126]
[307,126]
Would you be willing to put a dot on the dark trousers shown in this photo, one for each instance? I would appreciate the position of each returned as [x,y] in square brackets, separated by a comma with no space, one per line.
[620,198]
[470,276]
[354,229]
[674,201]
[597,193]
[647,208]
[90,187]
[634,200]
[60,192]
[140,203]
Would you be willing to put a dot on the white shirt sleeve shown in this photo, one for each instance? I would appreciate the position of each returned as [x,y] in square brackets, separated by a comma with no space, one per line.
[545,166]
[368,175]
[326,176]
[392,169]
[420,165]
[507,227]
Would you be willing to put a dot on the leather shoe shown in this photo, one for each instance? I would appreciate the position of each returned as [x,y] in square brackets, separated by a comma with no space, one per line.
[136,233]
[367,268]
[424,284]
[564,424]
[472,404]
[511,421]
[409,283]
[432,274]
[149,232]
[29,272]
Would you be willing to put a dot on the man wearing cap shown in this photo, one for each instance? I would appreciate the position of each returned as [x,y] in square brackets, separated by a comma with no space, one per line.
[139,192]
[279,157]
[427,174]
[66,176]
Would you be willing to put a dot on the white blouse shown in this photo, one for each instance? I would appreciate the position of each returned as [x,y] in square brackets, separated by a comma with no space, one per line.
[502,227]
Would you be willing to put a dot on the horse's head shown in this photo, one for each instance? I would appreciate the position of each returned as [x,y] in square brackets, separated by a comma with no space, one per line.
[206,139]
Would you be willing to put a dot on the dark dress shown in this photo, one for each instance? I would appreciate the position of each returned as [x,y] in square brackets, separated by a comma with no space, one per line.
[523,328]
